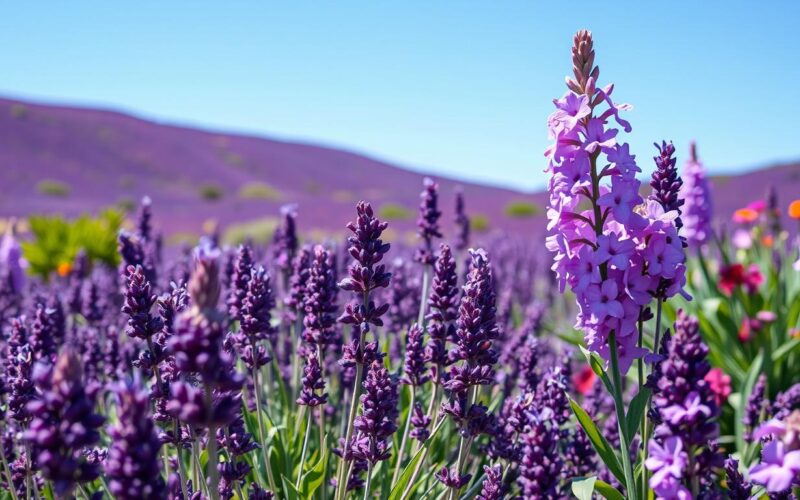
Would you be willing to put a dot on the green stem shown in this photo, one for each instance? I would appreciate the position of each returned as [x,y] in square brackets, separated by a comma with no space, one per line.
[369,480]
[211,465]
[260,419]
[403,441]
[7,472]
[418,468]
[426,277]
[348,435]
[305,447]
[630,485]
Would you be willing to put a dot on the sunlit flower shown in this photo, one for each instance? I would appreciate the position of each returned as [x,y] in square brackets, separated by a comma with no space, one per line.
[745,215]
[794,209]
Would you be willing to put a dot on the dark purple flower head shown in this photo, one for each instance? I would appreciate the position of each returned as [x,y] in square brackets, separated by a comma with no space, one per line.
[428,222]
[63,424]
[786,402]
[443,305]
[476,324]
[738,487]
[462,224]
[298,282]
[46,333]
[452,479]
[312,392]
[256,309]
[420,423]
[133,465]
[171,304]
[666,182]
[378,418]
[144,226]
[235,439]
[756,408]
[320,299]
[414,368]
[187,403]
[135,252]
[20,382]
[240,276]
[367,249]
[138,304]
[541,466]
[284,241]
[256,493]
[492,487]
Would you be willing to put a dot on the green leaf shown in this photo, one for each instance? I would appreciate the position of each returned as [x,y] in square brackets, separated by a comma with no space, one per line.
[289,490]
[583,487]
[405,476]
[314,477]
[603,448]
[608,491]
[636,410]
[784,350]
[597,367]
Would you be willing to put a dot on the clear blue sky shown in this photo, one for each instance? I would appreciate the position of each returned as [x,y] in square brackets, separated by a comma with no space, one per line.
[458,88]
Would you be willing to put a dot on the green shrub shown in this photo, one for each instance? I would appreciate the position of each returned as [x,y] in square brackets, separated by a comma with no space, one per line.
[479,223]
[210,192]
[52,187]
[56,241]
[521,209]
[258,231]
[259,191]
[394,211]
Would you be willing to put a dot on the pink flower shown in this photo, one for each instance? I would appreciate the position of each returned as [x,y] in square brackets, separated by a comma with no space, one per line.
[720,384]
[584,379]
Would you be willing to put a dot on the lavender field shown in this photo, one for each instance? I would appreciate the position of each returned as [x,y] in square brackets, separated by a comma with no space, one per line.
[283,320]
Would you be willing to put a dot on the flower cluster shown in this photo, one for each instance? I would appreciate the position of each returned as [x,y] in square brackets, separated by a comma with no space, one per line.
[428,222]
[698,208]
[615,254]
[377,421]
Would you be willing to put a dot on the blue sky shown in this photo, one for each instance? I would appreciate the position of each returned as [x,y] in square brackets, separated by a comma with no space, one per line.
[456,88]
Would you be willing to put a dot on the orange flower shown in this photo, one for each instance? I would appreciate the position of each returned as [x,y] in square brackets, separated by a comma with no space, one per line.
[767,240]
[745,215]
[64,269]
[794,209]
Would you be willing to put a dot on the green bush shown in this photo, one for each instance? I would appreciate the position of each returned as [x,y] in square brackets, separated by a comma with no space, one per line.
[210,192]
[394,211]
[56,241]
[521,209]
[51,187]
[259,191]
[259,231]
[479,223]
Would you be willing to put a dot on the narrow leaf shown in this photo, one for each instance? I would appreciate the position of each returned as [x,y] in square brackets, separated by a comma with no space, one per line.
[636,410]
[600,444]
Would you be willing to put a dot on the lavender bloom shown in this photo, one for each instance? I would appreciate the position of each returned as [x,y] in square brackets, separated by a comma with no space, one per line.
[666,183]
[256,309]
[667,463]
[420,423]
[235,439]
[414,364]
[312,382]
[428,222]
[284,241]
[298,281]
[402,295]
[134,253]
[451,479]
[698,207]
[738,487]
[462,224]
[786,402]
[132,465]
[778,469]
[541,465]
[143,223]
[12,263]
[256,493]
[377,421]
[44,333]
[756,405]
[320,299]
[492,487]
[63,425]
[230,474]
[443,304]
[138,303]
[242,270]
[20,382]
[366,274]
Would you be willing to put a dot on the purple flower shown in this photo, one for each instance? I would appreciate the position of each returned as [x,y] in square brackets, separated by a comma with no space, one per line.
[133,465]
[377,421]
[603,301]
[452,479]
[738,488]
[698,201]
[414,364]
[541,465]
[63,424]
[492,487]
[284,240]
[139,301]
[666,183]
[666,462]
[691,409]
[240,276]
[320,299]
[312,382]
[428,222]
[298,282]
[462,224]
[443,306]
[420,423]
[778,469]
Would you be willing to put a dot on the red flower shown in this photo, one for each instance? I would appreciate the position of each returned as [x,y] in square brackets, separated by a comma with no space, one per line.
[735,275]
[720,384]
[583,380]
